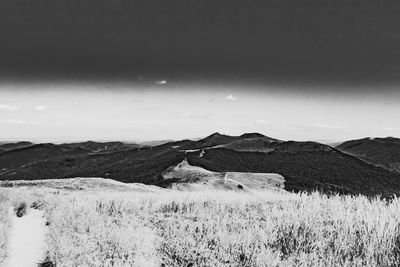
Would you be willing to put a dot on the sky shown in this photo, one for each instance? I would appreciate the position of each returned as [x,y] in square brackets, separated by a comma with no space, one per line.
[322,38]
[162,109]
[139,70]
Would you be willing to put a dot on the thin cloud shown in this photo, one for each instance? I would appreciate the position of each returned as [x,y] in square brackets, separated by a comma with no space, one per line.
[194,114]
[19,122]
[228,98]
[11,121]
[61,124]
[388,128]
[162,82]
[231,98]
[327,126]
[261,122]
[8,107]
[40,108]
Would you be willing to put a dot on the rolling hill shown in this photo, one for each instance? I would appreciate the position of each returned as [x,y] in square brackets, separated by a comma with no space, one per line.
[96,147]
[193,178]
[384,152]
[12,146]
[327,171]
[304,166]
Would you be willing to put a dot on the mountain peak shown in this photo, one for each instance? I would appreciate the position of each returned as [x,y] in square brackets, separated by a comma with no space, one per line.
[216,134]
[252,135]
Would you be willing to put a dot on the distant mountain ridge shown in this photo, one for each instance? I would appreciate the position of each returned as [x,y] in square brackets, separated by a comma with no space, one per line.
[305,166]
[8,146]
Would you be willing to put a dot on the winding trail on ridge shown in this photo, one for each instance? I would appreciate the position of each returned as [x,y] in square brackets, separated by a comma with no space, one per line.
[27,240]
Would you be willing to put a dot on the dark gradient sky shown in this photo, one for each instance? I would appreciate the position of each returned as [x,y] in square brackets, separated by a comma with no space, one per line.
[343,41]
[170,69]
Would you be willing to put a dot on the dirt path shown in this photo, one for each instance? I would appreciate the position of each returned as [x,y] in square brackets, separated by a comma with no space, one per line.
[27,246]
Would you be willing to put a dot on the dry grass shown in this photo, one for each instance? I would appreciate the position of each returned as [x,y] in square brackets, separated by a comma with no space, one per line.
[10,201]
[4,223]
[88,231]
[311,231]
[223,229]
[216,228]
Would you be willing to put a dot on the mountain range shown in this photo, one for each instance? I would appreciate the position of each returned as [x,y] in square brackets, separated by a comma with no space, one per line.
[367,166]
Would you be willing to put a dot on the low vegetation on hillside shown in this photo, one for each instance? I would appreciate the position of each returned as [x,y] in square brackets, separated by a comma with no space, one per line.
[216,228]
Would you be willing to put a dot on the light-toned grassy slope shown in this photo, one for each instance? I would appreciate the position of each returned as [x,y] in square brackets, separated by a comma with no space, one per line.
[193,178]
[79,184]
[258,181]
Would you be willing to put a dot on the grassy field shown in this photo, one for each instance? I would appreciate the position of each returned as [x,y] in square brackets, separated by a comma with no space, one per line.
[4,224]
[216,228]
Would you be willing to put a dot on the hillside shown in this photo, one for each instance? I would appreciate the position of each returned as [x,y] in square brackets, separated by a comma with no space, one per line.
[47,161]
[252,142]
[12,146]
[96,147]
[328,171]
[305,166]
[187,177]
[81,184]
[384,152]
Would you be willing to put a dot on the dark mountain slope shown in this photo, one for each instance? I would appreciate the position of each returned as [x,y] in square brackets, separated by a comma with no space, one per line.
[252,142]
[384,152]
[136,165]
[155,143]
[214,139]
[39,160]
[328,171]
[245,142]
[12,146]
[295,146]
[36,153]
[96,147]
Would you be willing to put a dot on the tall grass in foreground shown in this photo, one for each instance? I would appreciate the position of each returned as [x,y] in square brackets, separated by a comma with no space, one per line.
[4,224]
[92,232]
[223,229]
